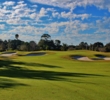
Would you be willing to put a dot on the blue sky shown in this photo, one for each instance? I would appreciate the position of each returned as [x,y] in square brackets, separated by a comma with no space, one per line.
[71,21]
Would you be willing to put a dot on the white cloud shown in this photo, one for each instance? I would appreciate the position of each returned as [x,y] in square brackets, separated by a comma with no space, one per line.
[2,26]
[26,33]
[20,5]
[51,9]
[84,27]
[27,21]
[84,16]
[70,32]
[9,3]
[103,26]
[15,13]
[35,6]
[66,15]
[42,12]
[71,4]
[69,15]
[17,21]
[33,15]
[21,2]
[56,14]
[25,30]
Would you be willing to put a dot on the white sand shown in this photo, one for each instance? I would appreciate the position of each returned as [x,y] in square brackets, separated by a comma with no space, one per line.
[106,58]
[88,59]
[84,59]
[8,55]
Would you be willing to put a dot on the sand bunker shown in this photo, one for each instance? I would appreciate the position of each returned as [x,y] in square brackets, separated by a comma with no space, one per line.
[106,58]
[14,53]
[8,54]
[82,58]
[102,57]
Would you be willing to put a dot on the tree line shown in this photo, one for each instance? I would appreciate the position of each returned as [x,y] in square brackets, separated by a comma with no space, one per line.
[46,43]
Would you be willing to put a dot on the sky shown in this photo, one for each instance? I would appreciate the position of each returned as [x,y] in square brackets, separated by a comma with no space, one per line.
[71,21]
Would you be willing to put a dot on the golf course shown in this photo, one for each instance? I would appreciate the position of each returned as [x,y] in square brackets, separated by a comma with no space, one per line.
[55,75]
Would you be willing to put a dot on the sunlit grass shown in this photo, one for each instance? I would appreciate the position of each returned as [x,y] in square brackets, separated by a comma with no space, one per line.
[54,76]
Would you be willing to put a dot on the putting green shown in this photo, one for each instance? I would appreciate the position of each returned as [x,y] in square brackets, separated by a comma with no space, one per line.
[55,76]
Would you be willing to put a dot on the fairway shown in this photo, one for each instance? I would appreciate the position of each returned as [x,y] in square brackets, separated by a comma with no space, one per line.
[55,76]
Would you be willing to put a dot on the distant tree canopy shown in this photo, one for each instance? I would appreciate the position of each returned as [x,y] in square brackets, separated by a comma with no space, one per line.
[57,44]
[2,45]
[33,46]
[83,45]
[107,47]
[97,45]
[46,43]
[45,37]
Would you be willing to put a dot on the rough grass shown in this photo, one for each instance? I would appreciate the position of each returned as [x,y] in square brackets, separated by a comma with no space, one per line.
[55,76]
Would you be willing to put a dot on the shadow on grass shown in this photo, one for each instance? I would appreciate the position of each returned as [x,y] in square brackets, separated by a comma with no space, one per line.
[8,63]
[33,54]
[12,69]
[42,65]
[36,54]
[41,74]
[8,83]
[99,57]
[77,56]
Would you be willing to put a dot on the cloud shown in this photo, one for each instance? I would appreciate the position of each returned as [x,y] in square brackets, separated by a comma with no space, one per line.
[25,30]
[33,15]
[9,3]
[73,16]
[4,36]
[35,6]
[31,21]
[71,4]
[21,13]
[26,33]
[103,23]
[42,12]
[20,5]
[60,30]
[17,13]
[2,26]
[70,31]
[56,14]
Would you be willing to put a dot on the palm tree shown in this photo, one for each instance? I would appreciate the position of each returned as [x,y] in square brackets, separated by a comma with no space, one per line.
[16,36]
